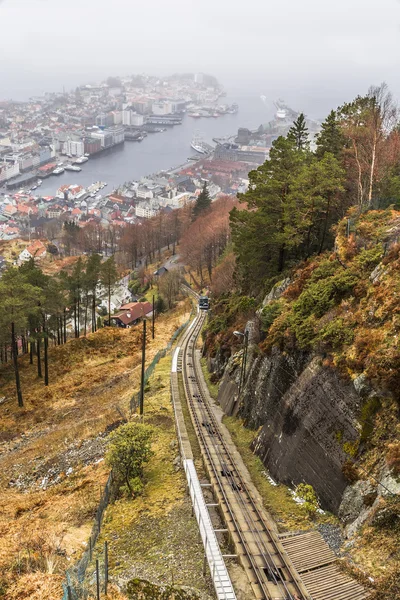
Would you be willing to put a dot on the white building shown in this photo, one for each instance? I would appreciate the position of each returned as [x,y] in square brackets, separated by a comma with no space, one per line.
[137,120]
[147,209]
[179,200]
[118,134]
[126,117]
[117,116]
[8,170]
[161,108]
[74,147]
[144,192]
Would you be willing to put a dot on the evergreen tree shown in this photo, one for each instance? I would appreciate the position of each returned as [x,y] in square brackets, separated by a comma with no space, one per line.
[330,139]
[298,133]
[18,299]
[108,278]
[203,201]
[318,202]
[260,238]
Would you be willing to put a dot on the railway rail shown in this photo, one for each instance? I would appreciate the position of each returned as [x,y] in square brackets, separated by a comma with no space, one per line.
[264,555]
[259,549]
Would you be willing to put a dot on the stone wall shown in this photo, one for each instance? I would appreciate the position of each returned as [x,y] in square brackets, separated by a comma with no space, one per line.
[306,411]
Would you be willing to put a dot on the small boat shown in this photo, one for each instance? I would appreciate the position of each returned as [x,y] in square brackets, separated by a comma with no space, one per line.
[58,171]
[73,168]
[80,160]
[39,182]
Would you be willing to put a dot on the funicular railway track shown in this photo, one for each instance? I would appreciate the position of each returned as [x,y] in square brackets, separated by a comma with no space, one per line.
[279,567]
[271,574]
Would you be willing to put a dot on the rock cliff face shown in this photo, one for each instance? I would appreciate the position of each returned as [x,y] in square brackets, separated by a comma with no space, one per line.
[306,413]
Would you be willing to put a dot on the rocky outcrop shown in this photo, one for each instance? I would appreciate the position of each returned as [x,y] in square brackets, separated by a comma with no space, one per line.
[306,421]
[306,412]
[361,501]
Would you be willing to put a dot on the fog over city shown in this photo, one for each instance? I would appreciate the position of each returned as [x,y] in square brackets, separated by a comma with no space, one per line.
[314,54]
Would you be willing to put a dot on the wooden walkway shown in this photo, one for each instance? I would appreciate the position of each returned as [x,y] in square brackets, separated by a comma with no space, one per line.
[317,566]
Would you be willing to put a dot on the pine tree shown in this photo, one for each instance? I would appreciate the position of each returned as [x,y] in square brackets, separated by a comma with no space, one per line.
[330,139]
[317,193]
[260,238]
[18,299]
[203,201]
[298,133]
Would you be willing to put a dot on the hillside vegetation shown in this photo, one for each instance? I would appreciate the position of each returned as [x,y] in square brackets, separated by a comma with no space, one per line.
[346,303]
[51,451]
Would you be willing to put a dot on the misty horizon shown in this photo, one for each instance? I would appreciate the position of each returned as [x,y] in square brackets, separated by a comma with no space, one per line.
[315,57]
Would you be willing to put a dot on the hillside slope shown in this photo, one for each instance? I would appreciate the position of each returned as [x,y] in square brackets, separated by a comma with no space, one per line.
[51,452]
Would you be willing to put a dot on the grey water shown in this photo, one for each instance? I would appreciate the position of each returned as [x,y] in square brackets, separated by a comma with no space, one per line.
[162,151]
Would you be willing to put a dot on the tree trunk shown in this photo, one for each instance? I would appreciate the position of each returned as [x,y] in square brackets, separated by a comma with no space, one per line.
[65,326]
[46,359]
[109,306]
[360,188]
[16,369]
[372,172]
[86,309]
[94,324]
[79,317]
[31,350]
[39,362]
[75,326]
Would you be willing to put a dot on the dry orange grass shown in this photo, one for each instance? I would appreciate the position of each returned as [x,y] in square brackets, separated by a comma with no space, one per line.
[91,383]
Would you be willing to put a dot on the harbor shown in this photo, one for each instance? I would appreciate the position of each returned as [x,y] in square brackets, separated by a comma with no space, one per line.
[161,151]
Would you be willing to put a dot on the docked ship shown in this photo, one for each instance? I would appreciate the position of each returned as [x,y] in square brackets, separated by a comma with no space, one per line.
[199,145]
[73,168]
[81,160]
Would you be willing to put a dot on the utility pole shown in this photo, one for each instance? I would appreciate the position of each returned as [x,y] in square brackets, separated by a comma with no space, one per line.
[143,364]
[154,316]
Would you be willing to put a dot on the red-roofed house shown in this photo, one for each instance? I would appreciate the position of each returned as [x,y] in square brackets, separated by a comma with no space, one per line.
[10,210]
[128,318]
[24,209]
[36,250]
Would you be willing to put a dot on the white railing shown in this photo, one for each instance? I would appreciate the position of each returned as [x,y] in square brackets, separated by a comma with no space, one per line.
[219,572]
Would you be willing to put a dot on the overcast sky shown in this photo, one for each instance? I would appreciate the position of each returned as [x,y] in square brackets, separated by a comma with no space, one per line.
[320,51]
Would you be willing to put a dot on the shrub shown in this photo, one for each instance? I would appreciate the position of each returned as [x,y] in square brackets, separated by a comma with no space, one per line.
[269,314]
[321,296]
[245,305]
[387,516]
[337,333]
[393,457]
[350,472]
[307,493]
[160,305]
[217,324]
[129,449]
[368,412]
[368,259]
